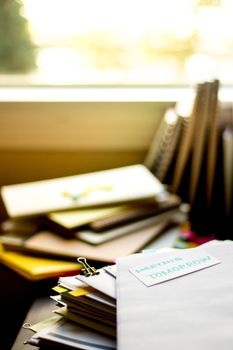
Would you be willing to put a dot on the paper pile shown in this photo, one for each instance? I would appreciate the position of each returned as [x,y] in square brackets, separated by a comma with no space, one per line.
[191,308]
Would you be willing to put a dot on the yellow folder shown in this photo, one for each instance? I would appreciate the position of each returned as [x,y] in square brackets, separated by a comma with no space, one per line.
[34,268]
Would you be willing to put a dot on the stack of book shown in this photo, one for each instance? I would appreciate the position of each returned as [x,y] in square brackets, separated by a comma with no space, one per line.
[152,300]
[101,215]
[192,154]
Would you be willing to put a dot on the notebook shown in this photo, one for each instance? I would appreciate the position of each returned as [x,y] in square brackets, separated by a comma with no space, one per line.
[153,151]
[186,143]
[201,135]
[108,187]
[73,218]
[212,140]
[168,144]
[227,139]
[100,219]
[53,245]
[96,238]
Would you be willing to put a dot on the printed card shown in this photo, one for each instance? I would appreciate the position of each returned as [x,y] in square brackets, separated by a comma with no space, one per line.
[183,262]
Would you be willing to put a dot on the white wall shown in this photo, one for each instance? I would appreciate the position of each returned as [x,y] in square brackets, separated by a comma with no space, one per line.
[46,139]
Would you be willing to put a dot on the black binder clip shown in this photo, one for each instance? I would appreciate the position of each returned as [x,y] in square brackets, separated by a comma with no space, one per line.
[87,270]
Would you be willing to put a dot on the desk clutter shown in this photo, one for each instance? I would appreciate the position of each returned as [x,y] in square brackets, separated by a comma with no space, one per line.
[101,215]
[127,294]
[164,299]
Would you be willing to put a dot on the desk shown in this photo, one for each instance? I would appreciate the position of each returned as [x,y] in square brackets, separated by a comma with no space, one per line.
[39,311]
[16,296]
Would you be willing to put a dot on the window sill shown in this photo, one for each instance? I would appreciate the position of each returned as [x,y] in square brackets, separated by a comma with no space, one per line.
[93,94]
[102,94]
[85,118]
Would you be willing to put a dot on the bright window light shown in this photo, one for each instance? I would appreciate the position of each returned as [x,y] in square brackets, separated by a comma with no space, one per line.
[126,42]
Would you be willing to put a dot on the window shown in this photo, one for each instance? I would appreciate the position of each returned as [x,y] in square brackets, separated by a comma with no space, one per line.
[124,42]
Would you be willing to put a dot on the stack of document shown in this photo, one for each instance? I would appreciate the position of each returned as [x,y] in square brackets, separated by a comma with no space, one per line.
[163,300]
[86,305]
[101,215]
[86,313]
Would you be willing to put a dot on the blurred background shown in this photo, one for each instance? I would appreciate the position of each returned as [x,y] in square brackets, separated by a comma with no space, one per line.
[84,85]
[149,42]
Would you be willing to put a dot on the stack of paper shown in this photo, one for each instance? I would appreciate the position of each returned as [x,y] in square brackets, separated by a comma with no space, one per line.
[87,313]
[167,299]
[67,335]
[89,307]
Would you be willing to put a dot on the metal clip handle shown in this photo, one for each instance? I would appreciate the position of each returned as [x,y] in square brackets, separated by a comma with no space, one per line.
[87,270]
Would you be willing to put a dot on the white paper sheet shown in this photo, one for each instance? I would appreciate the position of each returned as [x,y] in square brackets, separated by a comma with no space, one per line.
[70,334]
[103,282]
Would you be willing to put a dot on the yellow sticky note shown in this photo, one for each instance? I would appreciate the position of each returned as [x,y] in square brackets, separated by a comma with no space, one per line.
[81,291]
